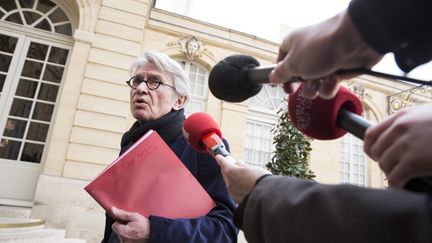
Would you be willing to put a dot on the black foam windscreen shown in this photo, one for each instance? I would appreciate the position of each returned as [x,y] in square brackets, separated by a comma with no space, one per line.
[228,80]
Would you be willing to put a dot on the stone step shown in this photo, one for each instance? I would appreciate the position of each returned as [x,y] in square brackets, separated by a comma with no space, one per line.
[33,236]
[15,212]
[18,230]
[11,225]
[72,241]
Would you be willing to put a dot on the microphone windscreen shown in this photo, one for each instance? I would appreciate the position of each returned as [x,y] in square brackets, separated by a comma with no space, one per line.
[196,126]
[228,80]
[318,118]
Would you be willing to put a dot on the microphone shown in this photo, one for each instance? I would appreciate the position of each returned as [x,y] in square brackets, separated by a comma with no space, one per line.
[203,134]
[328,119]
[239,77]
[331,119]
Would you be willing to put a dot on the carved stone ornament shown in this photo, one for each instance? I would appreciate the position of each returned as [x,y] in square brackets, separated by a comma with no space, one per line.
[358,89]
[190,46]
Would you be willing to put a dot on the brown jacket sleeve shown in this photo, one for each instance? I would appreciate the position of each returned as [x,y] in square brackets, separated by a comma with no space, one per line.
[286,209]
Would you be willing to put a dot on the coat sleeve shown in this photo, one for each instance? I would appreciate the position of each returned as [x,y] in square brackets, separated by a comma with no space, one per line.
[402,27]
[285,208]
[217,226]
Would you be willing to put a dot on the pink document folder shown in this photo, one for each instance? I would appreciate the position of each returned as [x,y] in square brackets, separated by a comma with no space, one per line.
[149,179]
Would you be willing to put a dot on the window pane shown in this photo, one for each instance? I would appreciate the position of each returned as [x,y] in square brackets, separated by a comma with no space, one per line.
[31,17]
[26,3]
[38,131]
[48,92]
[269,98]
[44,6]
[53,73]
[64,29]
[32,69]
[15,18]
[58,55]
[15,128]
[5,62]
[8,5]
[26,88]
[258,143]
[58,16]
[21,108]
[2,81]
[44,25]
[9,149]
[32,152]
[8,43]
[37,51]
[43,112]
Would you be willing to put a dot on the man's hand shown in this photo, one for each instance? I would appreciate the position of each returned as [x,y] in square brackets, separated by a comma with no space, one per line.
[315,53]
[239,177]
[135,230]
[401,144]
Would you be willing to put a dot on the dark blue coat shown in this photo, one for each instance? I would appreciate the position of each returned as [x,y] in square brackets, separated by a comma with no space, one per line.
[217,226]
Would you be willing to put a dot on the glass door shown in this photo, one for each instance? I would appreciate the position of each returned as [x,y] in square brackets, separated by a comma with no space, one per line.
[31,72]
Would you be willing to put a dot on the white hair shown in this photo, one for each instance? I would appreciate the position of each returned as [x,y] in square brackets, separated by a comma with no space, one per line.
[167,65]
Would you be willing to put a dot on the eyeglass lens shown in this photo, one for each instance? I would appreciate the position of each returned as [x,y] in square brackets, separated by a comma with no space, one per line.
[152,82]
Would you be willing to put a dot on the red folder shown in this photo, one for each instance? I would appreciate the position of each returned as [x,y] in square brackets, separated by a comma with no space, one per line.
[149,179]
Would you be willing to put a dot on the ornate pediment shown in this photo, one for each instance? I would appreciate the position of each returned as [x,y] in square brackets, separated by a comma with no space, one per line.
[191,47]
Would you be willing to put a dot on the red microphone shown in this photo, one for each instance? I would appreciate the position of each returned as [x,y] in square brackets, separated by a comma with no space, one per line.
[331,119]
[203,134]
[328,119]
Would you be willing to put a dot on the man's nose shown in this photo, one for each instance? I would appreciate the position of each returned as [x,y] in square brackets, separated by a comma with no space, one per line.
[142,87]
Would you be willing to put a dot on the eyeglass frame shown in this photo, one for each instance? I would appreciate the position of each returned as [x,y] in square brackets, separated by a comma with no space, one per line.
[154,79]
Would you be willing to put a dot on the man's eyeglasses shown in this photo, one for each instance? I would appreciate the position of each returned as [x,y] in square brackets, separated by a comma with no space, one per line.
[152,82]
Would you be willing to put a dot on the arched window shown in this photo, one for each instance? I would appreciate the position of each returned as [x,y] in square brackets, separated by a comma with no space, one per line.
[40,14]
[261,119]
[268,99]
[198,76]
[35,43]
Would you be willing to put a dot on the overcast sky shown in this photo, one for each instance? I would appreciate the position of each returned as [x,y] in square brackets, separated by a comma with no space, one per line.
[265,19]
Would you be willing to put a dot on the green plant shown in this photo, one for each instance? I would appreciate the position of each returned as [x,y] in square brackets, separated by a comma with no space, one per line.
[292,149]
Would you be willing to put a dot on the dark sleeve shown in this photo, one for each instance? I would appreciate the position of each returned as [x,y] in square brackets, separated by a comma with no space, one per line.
[217,226]
[239,212]
[403,27]
[108,230]
[286,208]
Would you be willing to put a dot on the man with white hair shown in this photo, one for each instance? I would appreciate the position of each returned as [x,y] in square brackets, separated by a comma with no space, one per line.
[158,95]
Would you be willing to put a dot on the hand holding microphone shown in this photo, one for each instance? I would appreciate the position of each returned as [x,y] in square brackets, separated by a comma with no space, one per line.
[204,135]
[401,145]
[317,52]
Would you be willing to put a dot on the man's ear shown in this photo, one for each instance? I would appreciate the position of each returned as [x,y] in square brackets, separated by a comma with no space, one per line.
[179,103]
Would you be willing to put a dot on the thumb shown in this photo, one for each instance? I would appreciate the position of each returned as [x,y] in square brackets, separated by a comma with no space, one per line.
[221,161]
[374,132]
[122,215]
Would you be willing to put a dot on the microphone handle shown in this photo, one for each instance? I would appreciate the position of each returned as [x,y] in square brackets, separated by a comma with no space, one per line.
[259,75]
[357,126]
[353,123]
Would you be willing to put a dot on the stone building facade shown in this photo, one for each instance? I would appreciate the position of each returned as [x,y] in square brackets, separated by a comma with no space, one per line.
[64,101]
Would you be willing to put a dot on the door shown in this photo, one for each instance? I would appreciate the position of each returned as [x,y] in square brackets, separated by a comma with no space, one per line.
[31,71]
